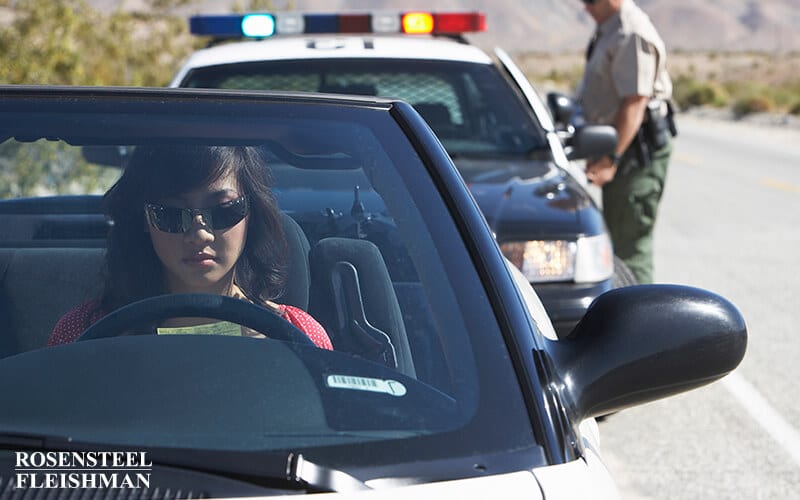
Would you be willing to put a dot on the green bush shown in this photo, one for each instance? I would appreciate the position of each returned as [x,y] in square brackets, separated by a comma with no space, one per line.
[786,96]
[688,92]
[68,42]
[752,104]
[45,167]
[566,78]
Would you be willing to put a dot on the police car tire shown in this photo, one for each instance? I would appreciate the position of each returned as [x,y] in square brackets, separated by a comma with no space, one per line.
[623,276]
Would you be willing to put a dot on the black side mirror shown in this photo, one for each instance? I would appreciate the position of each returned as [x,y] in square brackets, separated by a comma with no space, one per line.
[640,343]
[562,108]
[592,141]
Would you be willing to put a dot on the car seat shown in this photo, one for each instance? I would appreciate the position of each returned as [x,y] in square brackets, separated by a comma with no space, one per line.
[298,278]
[349,88]
[39,285]
[438,116]
[352,295]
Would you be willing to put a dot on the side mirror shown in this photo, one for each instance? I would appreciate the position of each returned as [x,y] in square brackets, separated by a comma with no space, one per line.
[592,141]
[562,108]
[641,343]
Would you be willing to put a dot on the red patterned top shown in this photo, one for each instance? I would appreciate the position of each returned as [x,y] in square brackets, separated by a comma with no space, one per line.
[75,322]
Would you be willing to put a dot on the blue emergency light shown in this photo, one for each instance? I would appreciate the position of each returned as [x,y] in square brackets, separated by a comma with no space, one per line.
[262,25]
[258,25]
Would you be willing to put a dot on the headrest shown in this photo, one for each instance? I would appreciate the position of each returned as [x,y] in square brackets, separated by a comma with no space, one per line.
[351,88]
[298,277]
[435,113]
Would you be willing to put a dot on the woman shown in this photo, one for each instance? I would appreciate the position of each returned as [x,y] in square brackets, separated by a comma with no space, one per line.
[161,242]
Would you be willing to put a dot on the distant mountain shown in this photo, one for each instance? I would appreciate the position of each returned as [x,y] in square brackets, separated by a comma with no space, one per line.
[727,25]
[562,25]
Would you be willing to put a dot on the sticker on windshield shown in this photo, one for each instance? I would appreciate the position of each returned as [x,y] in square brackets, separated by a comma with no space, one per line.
[391,387]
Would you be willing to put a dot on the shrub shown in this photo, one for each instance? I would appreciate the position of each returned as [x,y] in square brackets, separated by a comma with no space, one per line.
[752,104]
[688,92]
[68,42]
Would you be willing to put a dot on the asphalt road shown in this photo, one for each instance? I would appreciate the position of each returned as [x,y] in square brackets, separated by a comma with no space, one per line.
[729,223]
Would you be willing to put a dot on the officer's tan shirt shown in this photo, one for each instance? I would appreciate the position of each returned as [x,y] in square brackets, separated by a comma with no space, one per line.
[629,58]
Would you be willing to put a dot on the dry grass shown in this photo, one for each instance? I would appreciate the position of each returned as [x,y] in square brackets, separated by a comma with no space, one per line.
[767,69]
[737,80]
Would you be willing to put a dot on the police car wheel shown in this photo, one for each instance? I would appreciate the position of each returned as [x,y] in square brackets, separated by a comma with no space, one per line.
[623,276]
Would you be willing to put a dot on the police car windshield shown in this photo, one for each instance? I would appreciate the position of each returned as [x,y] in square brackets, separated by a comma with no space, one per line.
[469,106]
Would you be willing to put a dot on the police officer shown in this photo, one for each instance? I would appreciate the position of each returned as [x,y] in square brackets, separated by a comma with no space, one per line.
[625,84]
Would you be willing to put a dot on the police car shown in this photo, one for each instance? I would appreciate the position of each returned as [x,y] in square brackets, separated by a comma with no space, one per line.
[489,118]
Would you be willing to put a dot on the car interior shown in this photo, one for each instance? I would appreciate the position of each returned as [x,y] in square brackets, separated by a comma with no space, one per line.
[368,324]
[465,104]
[362,261]
[52,258]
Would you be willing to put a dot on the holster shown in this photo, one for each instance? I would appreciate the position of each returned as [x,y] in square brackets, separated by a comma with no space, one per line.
[637,154]
[657,126]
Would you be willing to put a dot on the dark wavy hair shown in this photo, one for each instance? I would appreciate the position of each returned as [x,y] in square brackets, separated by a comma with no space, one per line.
[134,271]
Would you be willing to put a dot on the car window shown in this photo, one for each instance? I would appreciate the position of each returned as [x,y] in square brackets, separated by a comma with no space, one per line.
[471,107]
[44,167]
[378,260]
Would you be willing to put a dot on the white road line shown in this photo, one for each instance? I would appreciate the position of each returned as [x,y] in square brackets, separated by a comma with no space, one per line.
[767,417]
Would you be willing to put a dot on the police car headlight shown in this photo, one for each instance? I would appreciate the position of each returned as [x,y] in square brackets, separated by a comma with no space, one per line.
[594,260]
[586,260]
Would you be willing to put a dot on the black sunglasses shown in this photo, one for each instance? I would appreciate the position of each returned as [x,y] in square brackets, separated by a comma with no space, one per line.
[589,2]
[180,220]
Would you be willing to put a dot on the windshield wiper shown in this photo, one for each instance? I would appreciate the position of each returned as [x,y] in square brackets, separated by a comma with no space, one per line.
[536,153]
[32,441]
[321,478]
[292,468]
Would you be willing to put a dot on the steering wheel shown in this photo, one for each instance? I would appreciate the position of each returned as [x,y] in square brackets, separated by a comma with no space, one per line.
[137,315]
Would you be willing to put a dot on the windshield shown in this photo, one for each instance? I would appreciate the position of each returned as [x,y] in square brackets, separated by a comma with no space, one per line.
[470,106]
[322,215]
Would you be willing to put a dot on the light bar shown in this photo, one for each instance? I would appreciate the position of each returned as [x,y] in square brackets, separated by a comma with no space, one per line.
[258,25]
[417,22]
[385,22]
[459,23]
[262,25]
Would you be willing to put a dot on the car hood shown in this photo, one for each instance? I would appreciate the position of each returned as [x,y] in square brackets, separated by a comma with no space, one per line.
[520,485]
[576,479]
[524,198]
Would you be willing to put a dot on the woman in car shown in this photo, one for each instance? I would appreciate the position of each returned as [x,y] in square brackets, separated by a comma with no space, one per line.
[193,219]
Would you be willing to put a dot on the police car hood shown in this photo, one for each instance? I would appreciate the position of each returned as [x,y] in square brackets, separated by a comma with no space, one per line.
[523,198]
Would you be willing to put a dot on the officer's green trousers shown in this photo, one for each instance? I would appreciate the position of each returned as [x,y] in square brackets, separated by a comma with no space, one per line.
[630,206]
